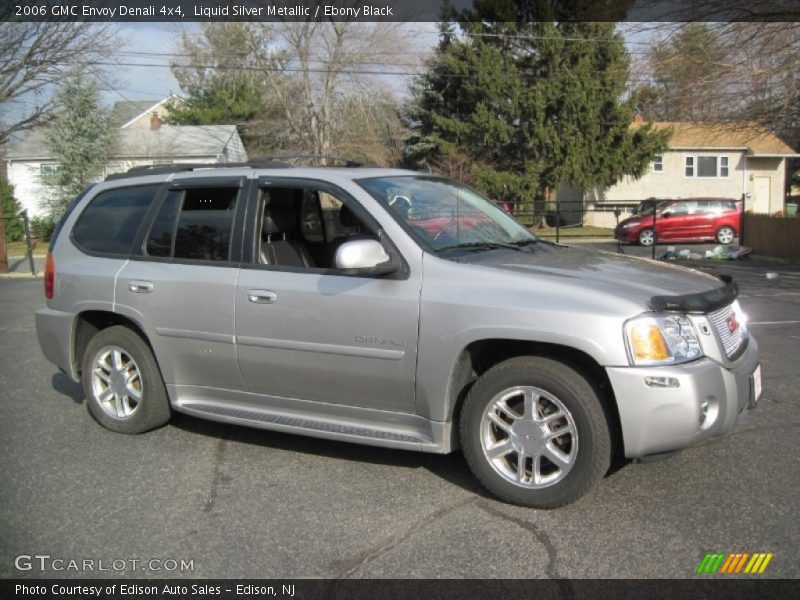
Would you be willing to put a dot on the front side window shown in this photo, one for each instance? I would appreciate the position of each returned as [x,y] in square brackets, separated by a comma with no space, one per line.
[194,224]
[110,221]
[445,215]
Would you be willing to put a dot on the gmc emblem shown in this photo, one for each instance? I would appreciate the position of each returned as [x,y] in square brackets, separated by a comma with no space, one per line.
[732,323]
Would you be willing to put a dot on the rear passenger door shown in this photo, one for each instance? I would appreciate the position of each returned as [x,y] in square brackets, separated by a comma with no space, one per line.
[180,282]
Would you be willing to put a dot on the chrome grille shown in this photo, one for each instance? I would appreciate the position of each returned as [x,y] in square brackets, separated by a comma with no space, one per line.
[732,341]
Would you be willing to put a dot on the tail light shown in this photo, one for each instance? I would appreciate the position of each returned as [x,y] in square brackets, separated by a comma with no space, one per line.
[49,277]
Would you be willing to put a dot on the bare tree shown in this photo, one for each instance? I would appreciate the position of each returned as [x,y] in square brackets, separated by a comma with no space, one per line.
[737,72]
[325,87]
[33,60]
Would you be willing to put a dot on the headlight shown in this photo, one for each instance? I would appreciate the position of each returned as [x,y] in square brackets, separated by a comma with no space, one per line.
[629,225]
[661,340]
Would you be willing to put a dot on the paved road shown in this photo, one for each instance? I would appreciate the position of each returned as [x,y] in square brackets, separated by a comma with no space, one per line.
[248,503]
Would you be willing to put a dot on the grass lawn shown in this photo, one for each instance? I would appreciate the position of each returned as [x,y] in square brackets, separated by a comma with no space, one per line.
[583,231]
[20,248]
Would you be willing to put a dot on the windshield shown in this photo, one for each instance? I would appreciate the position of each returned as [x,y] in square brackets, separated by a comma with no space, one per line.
[445,215]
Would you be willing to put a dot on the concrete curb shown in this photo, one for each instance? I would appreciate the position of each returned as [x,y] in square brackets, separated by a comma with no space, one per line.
[20,276]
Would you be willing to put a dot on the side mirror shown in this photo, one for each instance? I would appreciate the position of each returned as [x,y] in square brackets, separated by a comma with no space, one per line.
[666,214]
[363,257]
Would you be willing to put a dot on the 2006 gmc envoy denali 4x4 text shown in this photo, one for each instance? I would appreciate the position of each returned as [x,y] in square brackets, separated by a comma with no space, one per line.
[389,308]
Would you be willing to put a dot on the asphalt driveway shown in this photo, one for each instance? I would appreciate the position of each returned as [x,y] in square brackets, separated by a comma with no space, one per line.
[246,503]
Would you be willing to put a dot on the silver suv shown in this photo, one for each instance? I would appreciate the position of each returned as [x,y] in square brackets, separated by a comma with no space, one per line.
[388,308]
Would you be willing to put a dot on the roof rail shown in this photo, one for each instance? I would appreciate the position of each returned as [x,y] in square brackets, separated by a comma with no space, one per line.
[348,162]
[264,163]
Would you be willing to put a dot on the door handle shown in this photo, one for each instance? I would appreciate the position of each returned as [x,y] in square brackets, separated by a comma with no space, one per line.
[140,287]
[262,297]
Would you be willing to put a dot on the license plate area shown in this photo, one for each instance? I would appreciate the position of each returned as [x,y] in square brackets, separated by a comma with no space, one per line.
[755,378]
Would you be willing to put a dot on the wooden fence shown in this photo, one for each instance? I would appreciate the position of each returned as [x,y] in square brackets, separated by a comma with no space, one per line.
[772,236]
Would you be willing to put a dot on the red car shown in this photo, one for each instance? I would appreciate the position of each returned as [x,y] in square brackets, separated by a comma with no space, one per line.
[692,220]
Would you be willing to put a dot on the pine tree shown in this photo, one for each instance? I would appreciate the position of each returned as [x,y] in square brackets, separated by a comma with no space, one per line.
[528,105]
[80,138]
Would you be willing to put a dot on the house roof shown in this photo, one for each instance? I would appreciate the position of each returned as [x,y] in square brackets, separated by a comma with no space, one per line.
[126,111]
[170,141]
[754,139]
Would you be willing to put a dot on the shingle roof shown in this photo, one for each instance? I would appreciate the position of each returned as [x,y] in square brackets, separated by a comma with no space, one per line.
[756,140]
[127,110]
[170,141]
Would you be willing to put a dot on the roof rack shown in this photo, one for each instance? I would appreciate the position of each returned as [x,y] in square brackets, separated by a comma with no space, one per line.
[182,167]
[266,162]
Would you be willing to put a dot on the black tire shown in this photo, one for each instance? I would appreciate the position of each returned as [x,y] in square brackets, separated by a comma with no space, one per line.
[725,235]
[593,448]
[646,238]
[152,409]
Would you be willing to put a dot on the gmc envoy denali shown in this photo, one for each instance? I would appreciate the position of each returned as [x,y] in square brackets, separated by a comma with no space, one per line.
[389,308]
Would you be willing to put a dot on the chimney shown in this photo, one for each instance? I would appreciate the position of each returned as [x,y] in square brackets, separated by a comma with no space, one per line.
[155,122]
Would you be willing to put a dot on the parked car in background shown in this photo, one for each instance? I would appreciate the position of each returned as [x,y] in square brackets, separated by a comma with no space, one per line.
[690,220]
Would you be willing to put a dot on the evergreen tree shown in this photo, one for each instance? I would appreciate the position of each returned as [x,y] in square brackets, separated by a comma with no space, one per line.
[80,139]
[9,208]
[529,104]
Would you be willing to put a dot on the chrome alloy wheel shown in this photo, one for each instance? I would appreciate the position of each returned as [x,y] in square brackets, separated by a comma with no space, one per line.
[116,382]
[529,437]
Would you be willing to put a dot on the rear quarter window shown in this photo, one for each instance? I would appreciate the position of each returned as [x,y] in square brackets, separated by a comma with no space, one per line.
[110,221]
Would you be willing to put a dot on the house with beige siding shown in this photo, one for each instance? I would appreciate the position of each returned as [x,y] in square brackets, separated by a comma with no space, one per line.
[721,160]
[143,139]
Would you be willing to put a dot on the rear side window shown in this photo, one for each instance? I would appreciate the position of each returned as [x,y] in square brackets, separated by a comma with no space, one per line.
[110,221]
[194,224]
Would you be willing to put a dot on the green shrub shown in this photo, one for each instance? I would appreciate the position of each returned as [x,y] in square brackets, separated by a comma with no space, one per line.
[9,207]
[42,227]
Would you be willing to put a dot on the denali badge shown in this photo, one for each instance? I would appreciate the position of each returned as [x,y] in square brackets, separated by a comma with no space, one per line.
[381,341]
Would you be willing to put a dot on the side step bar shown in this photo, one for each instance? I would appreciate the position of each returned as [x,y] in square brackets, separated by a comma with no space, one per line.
[314,427]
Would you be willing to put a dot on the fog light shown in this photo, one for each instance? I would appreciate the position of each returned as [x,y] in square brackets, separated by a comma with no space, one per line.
[703,411]
[662,382]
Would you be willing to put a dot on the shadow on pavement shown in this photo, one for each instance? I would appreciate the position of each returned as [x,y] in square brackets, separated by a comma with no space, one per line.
[64,385]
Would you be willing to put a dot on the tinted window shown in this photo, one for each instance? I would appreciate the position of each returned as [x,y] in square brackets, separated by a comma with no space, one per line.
[110,221]
[204,224]
[159,242]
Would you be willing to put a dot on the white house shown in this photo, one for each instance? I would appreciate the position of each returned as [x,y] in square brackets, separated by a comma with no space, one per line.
[143,139]
[721,160]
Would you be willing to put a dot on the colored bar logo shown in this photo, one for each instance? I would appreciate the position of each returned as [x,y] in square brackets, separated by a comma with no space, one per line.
[734,563]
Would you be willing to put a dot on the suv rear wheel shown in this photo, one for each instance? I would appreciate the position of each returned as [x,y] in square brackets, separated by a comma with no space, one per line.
[534,433]
[122,382]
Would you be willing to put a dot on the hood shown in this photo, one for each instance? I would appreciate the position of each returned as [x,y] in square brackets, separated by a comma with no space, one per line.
[635,279]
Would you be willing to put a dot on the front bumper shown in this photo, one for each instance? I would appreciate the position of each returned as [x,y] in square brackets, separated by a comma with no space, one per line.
[662,419]
[626,235]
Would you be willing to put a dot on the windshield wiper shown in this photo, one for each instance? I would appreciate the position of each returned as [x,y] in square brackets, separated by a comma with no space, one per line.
[522,243]
[480,246]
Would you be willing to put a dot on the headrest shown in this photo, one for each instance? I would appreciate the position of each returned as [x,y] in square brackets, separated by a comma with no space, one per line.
[347,218]
[278,218]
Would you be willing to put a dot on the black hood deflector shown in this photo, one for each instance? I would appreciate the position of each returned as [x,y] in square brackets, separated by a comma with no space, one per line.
[703,302]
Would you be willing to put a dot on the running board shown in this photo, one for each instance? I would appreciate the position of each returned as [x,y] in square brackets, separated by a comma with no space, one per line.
[314,427]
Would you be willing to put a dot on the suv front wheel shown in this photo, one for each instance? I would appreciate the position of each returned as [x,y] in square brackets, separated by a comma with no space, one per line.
[122,382]
[534,433]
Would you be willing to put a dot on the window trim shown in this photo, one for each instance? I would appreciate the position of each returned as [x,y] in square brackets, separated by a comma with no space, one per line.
[256,210]
[139,250]
[695,166]
[144,222]
[658,159]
